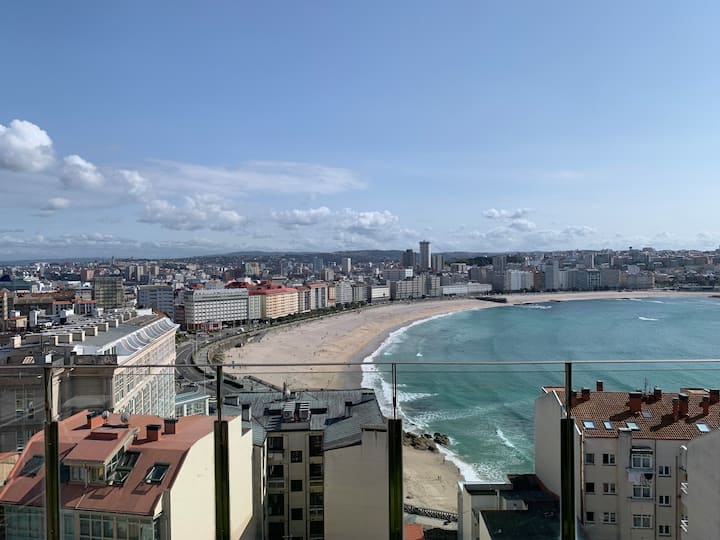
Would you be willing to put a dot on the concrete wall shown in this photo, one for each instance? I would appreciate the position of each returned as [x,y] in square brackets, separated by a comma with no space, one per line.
[703,498]
[192,496]
[356,489]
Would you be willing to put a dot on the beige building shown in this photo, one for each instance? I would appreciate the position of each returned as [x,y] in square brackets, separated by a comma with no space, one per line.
[628,456]
[209,308]
[321,464]
[276,301]
[142,477]
[108,292]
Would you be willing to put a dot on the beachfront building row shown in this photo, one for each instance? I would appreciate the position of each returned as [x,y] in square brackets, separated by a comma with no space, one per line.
[645,464]
[310,465]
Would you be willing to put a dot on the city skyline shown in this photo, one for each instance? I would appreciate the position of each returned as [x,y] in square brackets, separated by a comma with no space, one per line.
[145,131]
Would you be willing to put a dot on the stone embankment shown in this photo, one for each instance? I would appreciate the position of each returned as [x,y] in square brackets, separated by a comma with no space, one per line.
[425,441]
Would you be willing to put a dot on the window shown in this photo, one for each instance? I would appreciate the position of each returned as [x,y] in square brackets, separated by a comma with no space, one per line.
[157,473]
[317,527]
[702,427]
[316,470]
[275,443]
[589,517]
[607,424]
[641,492]
[589,487]
[663,530]
[609,517]
[632,425]
[608,459]
[641,461]
[589,459]
[296,485]
[664,470]
[609,488]
[276,471]
[316,443]
[588,424]
[317,499]
[32,466]
[664,500]
[296,456]
[296,514]
[641,521]
[646,414]
[276,504]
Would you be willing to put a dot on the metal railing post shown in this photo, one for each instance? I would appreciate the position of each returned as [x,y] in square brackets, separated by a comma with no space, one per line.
[52,461]
[567,462]
[395,468]
[222,466]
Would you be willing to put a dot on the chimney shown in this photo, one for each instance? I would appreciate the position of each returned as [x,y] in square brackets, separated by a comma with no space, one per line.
[705,404]
[676,407]
[683,405]
[348,409]
[153,432]
[599,386]
[657,393]
[585,394]
[635,401]
[714,396]
[573,398]
[94,420]
[170,426]
[245,412]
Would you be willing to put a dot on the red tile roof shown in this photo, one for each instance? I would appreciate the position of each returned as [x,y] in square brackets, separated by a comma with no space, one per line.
[658,421]
[77,443]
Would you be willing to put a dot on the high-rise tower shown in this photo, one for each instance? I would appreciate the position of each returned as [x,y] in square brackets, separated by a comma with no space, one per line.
[424,263]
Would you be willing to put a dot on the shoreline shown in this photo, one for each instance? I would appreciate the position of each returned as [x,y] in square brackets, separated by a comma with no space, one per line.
[349,341]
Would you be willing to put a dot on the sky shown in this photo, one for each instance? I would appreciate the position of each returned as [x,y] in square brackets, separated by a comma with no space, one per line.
[173,128]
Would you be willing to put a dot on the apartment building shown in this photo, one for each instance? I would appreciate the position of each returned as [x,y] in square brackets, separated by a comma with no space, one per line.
[343,292]
[208,309]
[700,488]
[108,292]
[275,300]
[141,477]
[321,460]
[158,297]
[629,449]
[318,295]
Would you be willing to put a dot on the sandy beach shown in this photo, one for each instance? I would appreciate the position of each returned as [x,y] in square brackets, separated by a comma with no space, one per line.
[348,338]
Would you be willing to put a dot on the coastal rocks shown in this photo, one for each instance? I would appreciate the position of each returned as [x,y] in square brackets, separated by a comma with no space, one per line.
[441,439]
[425,441]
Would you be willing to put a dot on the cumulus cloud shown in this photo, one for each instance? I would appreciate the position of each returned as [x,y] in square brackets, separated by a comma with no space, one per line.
[24,147]
[253,176]
[312,216]
[77,173]
[199,212]
[137,185]
[494,213]
[522,224]
[56,203]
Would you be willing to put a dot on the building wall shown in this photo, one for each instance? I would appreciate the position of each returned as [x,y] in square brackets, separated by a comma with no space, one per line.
[192,497]
[159,297]
[359,474]
[702,500]
[217,305]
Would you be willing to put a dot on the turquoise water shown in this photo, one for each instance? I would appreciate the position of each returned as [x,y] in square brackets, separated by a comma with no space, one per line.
[488,411]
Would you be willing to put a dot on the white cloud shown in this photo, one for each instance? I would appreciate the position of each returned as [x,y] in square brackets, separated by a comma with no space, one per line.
[199,212]
[366,221]
[494,213]
[312,216]
[56,203]
[138,186]
[77,173]
[254,176]
[522,224]
[24,147]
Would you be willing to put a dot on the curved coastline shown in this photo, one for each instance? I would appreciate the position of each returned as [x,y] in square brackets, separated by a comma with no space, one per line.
[357,338]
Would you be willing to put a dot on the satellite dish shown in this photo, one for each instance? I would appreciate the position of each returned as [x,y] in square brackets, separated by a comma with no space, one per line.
[106,414]
[125,417]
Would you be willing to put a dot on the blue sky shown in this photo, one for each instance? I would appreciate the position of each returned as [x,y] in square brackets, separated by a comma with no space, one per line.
[171,128]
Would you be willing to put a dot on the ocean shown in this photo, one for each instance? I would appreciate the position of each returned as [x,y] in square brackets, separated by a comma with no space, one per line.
[488,411]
